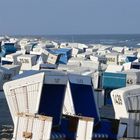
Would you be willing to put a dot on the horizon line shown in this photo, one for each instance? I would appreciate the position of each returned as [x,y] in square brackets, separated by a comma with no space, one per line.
[67,34]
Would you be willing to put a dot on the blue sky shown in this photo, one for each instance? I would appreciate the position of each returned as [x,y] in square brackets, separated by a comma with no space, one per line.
[39,17]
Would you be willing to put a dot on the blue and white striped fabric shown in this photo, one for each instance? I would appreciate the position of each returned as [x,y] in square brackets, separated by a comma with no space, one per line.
[100,136]
[57,136]
[60,136]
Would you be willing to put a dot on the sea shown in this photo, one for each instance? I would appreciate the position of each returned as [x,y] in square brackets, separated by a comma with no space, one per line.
[129,40]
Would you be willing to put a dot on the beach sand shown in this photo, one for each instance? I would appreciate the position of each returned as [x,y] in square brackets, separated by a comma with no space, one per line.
[6,124]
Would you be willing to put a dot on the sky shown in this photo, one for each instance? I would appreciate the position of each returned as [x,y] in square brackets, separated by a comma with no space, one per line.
[52,17]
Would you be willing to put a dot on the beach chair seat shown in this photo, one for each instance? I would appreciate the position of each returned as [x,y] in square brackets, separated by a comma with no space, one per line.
[32,127]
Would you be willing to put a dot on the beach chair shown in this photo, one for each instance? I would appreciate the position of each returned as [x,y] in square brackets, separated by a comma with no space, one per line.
[51,104]
[43,94]
[85,105]
[127,108]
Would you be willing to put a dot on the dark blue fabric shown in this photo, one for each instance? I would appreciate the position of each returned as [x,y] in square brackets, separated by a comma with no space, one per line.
[135,66]
[106,128]
[130,58]
[108,100]
[65,129]
[51,103]
[6,62]
[84,102]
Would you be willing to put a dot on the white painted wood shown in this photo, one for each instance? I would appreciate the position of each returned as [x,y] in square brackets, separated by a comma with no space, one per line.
[95,79]
[38,129]
[90,64]
[23,95]
[125,99]
[127,66]
[84,129]
[13,57]
[114,68]
[133,76]
[22,127]
[112,58]
[7,72]
[118,49]
[133,129]
[78,79]
[68,107]
[27,61]
[47,130]
[75,51]
[56,80]
[39,126]
[52,58]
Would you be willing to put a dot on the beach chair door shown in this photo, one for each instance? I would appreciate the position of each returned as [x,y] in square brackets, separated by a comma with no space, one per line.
[23,95]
